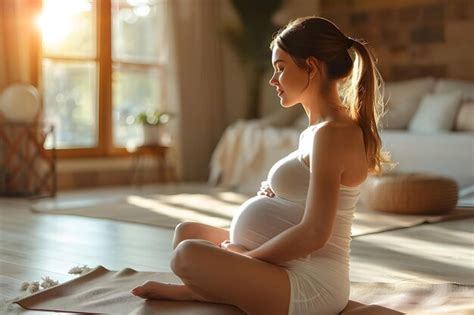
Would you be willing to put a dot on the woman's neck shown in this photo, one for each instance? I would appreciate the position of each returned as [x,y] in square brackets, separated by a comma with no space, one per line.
[324,104]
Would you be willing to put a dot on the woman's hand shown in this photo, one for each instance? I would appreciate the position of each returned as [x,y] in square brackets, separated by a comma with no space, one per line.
[232,247]
[265,190]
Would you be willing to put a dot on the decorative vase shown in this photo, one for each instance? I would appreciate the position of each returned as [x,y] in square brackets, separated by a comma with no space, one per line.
[152,134]
[20,103]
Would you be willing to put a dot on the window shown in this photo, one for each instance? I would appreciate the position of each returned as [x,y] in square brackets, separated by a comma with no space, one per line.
[102,65]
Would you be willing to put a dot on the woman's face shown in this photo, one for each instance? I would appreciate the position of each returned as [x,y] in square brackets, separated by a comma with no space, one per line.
[289,80]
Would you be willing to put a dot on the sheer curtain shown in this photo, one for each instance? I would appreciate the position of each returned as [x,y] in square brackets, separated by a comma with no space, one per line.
[195,83]
[19,42]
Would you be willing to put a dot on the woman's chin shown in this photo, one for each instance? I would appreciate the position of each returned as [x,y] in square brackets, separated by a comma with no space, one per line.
[286,104]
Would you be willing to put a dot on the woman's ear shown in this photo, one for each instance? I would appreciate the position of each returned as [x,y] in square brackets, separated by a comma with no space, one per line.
[313,66]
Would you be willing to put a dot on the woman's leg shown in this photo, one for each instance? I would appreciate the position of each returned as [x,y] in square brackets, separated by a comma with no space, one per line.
[183,231]
[212,274]
[194,230]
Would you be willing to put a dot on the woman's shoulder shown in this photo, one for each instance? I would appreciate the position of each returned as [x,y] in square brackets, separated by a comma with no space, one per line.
[338,130]
[344,139]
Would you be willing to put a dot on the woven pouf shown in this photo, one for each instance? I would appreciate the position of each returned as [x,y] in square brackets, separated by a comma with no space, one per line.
[410,193]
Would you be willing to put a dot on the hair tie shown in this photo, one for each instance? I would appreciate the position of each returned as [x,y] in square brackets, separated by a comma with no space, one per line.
[349,42]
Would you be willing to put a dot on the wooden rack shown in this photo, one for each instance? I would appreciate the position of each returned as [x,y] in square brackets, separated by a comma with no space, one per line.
[27,168]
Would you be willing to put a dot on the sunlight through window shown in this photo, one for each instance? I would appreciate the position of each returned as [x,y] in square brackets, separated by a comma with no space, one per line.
[57,20]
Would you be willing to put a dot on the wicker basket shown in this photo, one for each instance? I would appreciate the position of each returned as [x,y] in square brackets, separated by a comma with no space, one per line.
[411,193]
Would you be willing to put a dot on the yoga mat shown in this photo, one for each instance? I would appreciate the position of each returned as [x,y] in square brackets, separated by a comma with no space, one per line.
[105,291]
[211,205]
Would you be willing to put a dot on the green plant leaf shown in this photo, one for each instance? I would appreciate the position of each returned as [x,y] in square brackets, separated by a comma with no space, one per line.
[153,118]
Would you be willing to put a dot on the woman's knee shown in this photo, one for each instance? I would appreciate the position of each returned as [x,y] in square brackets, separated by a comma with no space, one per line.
[188,229]
[185,253]
[184,231]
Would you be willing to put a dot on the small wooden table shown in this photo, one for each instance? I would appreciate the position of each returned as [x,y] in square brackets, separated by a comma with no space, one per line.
[160,153]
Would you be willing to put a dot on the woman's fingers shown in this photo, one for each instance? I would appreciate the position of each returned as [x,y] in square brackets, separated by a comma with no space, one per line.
[225,244]
[222,244]
[265,190]
[229,246]
[267,193]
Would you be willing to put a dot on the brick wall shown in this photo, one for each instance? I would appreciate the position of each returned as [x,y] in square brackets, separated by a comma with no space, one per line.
[411,38]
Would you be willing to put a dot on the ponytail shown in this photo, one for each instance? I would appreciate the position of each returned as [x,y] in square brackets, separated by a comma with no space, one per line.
[364,99]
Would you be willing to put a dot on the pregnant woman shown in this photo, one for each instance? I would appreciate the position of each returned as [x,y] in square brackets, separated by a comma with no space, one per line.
[287,250]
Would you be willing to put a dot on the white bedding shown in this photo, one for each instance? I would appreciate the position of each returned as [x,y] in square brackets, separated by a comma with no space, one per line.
[449,154]
[248,149]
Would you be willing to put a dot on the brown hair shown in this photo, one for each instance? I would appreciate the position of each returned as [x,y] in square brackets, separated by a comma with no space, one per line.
[361,86]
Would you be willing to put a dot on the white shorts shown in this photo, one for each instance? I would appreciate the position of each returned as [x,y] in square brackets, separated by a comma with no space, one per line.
[317,288]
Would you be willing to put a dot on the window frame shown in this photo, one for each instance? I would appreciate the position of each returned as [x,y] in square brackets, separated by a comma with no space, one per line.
[104,103]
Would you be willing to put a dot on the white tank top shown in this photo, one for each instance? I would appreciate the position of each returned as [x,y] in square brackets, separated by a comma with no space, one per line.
[260,218]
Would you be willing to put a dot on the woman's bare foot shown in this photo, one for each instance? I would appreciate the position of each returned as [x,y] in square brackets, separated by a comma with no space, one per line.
[163,291]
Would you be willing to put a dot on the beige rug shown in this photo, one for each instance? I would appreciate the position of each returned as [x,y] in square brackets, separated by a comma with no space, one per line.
[104,291]
[216,206]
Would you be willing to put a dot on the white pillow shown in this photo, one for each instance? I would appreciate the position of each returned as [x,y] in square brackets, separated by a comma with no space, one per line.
[403,98]
[399,116]
[408,91]
[436,113]
[450,85]
[465,117]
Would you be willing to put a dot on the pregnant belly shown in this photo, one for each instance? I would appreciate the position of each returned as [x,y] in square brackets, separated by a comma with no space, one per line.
[261,218]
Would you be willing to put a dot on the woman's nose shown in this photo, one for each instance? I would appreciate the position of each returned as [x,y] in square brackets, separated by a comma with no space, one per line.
[273,81]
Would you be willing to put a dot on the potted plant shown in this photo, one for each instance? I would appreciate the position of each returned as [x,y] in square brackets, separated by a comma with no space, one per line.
[153,123]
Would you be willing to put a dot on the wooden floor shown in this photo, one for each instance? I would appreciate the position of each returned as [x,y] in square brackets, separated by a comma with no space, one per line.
[34,246]
[38,245]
